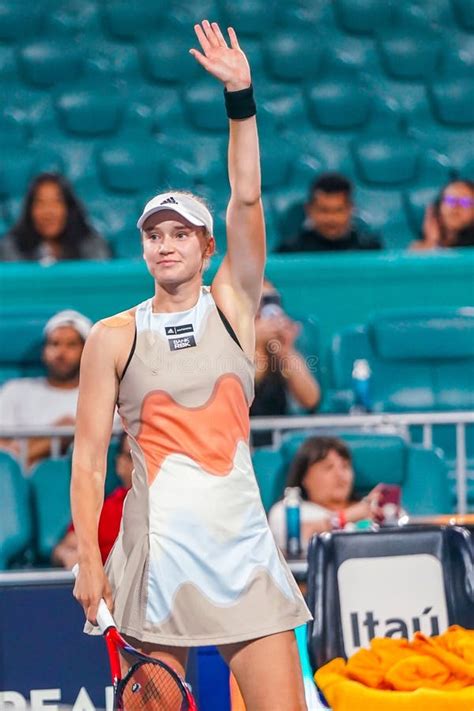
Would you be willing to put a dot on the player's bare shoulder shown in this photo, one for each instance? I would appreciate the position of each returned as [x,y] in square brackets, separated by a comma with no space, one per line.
[112,338]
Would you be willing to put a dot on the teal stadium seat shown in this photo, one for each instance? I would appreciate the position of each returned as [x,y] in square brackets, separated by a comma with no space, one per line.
[421,360]
[130,168]
[346,54]
[306,15]
[457,58]
[204,106]
[416,15]
[168,62]
[335,104]
[181,15]
[50,483]
[416,200]
[410,56]
[21,336]
[47,63]
[453,101]
[291,56]
[454,143]
[363,17]
[388,459]
[20,20]
[89,112]
[464,13]
[288,209]
[267,464]
[74,19]
[249,17]
[124,21]
[382,209]
[12,132]
[8,65]
[277,159]
[15,521]
[386,160]
[113,61]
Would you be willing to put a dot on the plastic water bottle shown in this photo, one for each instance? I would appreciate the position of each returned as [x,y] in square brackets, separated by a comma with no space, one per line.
[292,501]
[361,374]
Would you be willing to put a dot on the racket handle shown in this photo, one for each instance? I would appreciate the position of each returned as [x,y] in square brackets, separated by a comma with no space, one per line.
[104,616]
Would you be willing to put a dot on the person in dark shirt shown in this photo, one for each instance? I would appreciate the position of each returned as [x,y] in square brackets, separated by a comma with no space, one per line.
[329,225]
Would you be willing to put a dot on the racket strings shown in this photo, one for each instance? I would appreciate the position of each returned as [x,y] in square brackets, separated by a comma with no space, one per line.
[150,687]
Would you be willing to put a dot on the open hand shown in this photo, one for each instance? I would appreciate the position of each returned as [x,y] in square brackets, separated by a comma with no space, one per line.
[228,64]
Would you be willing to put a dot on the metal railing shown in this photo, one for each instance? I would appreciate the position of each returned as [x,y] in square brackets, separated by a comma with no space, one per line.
[399,423]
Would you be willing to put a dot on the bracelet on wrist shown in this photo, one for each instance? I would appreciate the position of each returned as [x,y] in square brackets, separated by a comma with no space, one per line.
[240,104]
[338,520]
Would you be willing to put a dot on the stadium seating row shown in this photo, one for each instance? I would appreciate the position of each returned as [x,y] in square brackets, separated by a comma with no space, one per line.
[37,510]
[380,91]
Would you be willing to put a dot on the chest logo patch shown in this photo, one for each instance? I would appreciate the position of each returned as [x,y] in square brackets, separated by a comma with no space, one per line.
[177,344]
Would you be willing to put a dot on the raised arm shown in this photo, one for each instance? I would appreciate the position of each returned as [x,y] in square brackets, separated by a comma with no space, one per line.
[238,282]
[98,388]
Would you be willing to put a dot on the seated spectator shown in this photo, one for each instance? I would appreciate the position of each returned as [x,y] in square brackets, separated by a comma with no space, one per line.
[322,468]
[65,553]
[52,226]
[50,400]
[281,372]
[449,221]
[329,224]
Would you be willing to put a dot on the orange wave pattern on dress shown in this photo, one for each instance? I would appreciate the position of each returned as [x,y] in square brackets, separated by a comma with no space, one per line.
[208,434]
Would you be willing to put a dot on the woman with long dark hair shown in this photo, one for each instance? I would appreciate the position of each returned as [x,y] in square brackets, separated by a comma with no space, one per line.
[53,226]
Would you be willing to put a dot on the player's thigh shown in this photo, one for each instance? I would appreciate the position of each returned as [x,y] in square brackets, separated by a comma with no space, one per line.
[268,672]
[175,657]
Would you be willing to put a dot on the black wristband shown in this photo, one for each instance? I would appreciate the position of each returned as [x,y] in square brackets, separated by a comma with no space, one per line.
[240,104]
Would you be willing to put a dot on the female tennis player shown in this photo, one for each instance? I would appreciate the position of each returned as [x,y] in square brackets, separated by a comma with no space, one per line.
[195,562]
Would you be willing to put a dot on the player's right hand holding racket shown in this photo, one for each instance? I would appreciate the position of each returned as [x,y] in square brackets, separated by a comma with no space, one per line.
[149,684]
[91,587]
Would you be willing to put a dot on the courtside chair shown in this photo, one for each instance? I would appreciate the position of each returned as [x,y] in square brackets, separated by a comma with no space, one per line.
[19,21]
[248,17]
[413,57]
[15,515]
[364,584]
[292,57]
[464,13]
[47,63]
[89,112]
[168,63]
[363,17]
[50,484]
[453,101]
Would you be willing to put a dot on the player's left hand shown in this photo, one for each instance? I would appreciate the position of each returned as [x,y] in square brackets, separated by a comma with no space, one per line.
[228,64]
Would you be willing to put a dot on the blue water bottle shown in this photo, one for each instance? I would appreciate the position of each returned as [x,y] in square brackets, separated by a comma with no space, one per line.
[361,375]
[292,502]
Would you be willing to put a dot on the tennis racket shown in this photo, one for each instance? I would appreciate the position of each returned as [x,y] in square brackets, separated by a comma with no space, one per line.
[149,684]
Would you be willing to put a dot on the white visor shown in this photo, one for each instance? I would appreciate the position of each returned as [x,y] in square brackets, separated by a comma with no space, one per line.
[188,207]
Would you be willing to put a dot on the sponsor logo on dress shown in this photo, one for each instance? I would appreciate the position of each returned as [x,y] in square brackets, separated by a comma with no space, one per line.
[178,330]
[177,344]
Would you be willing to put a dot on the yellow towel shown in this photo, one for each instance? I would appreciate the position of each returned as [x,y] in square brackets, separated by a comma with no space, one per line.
[426,674]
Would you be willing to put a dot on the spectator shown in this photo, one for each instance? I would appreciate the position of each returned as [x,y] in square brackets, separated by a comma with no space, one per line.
[52,226]
[329,224]
[449,222]
[65,552]
[50,400]
[322,468]
[281,372]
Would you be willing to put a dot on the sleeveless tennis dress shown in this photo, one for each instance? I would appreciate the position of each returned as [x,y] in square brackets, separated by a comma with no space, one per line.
[195,562]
